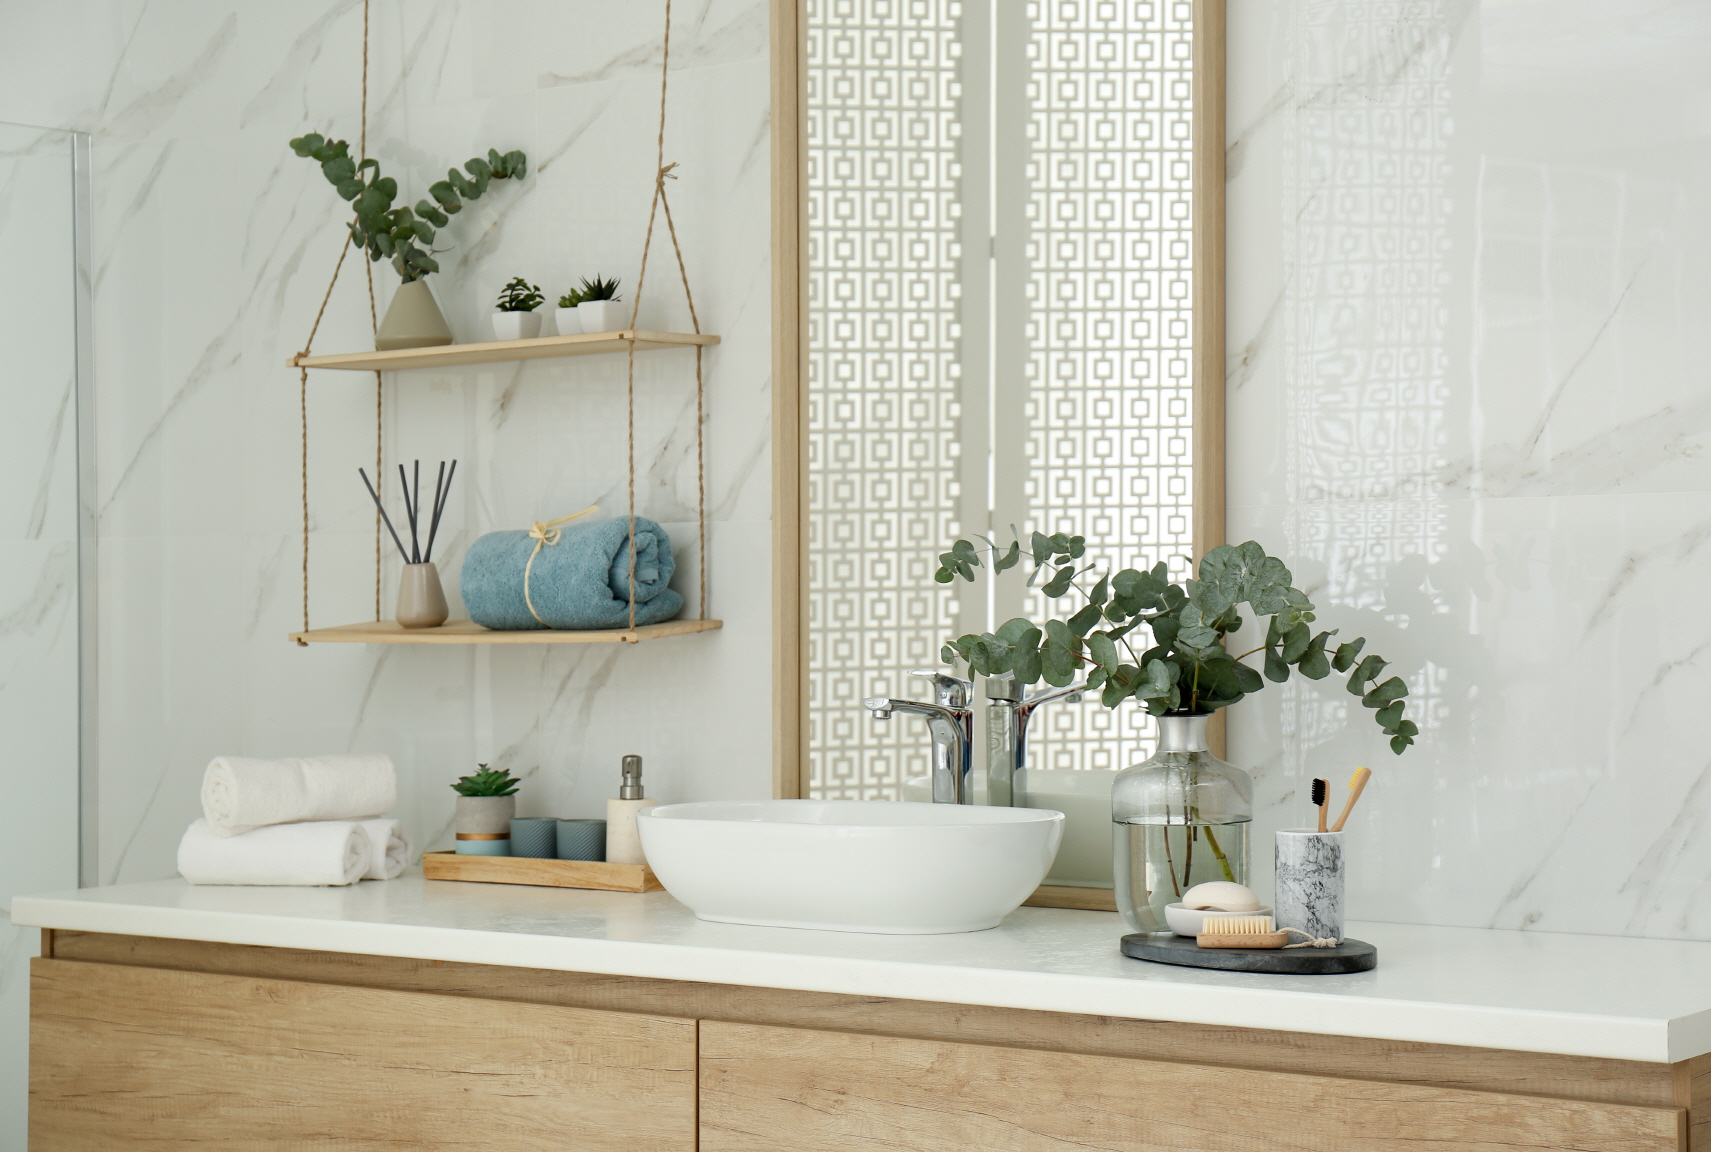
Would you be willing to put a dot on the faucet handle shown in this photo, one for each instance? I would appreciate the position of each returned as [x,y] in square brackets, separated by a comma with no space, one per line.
[1004,688]
[951,691]
[879,706]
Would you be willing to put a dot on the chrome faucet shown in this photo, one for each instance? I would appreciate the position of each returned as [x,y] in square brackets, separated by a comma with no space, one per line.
[1007,713]
[951,723]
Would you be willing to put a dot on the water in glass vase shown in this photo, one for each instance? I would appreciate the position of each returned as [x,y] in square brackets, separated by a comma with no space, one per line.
[1157,862]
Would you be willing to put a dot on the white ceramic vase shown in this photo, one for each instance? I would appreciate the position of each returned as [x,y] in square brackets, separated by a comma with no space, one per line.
[569,323]
[516,325]
[412,320]
[603,315]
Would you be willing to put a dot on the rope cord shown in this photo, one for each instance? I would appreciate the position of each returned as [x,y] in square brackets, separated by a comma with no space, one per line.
[661,202]
[303,372]
[373,321]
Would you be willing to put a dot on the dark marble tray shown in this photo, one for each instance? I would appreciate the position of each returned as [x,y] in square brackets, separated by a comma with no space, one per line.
[1169,948]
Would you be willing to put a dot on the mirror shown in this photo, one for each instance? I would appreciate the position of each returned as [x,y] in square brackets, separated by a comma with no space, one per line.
[1008,275]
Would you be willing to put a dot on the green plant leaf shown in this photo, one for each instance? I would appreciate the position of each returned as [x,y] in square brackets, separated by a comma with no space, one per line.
[1275,669]
[1388,692]
[1103,651]
[1398,744]
[1295,642]
[338,170]
[1009,559]
[1058,656]
[1314,664]
[1101,592]
[1083,621]
[1390,716]
[1366,670]
[1164,630]
[1041,547]
[1059,583]
[1348,653]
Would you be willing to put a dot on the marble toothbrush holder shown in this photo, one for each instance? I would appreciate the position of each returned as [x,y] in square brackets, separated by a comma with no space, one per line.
[1309,879]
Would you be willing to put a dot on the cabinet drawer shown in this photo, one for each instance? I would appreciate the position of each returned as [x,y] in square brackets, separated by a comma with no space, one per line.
[125,1057]
[769,1089]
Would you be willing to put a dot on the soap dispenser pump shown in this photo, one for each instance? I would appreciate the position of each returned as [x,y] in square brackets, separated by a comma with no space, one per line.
[623,842]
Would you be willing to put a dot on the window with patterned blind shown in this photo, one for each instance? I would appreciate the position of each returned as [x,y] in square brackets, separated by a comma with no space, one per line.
[999,331]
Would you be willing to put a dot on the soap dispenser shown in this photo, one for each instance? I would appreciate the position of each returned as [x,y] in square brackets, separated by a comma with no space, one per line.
[623,842]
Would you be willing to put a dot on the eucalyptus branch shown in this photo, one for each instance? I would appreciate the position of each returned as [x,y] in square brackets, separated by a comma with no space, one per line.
[1189,624]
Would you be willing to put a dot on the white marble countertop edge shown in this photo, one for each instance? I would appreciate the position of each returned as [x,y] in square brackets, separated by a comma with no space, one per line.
[1651,1041]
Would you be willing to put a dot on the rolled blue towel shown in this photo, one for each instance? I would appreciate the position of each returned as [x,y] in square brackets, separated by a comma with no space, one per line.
[580,583]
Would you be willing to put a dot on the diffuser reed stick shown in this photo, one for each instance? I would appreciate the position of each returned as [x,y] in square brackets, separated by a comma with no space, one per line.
[382,509]
[416,553]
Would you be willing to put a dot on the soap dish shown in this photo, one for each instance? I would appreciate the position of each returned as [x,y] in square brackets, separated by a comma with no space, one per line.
[1169,948]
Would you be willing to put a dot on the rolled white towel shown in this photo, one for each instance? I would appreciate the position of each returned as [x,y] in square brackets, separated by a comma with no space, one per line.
[389,849]
[240,794]
[319,853]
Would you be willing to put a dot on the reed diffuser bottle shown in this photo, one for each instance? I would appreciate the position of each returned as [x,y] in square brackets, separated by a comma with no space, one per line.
[1179,819]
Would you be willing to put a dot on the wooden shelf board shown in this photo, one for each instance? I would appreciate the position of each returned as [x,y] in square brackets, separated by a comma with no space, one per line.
[468,632]
[489,351]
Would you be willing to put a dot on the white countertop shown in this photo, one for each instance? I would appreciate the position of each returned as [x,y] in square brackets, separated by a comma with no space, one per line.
[1532,991]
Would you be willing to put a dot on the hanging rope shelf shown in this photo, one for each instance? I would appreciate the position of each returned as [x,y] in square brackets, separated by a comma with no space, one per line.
[629,341]
[494,351]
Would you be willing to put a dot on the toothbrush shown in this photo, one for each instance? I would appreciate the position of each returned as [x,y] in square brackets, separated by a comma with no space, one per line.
[1321,800]
[1356,783]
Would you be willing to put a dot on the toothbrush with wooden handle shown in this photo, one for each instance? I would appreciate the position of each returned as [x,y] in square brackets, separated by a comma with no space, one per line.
[1321,800]
[1356,783]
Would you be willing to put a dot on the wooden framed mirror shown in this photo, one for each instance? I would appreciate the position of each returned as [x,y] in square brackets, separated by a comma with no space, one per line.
[998,300]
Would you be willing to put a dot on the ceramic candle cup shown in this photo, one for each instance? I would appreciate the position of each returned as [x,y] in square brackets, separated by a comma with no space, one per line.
[1309,881]
[582,839]
[535,837]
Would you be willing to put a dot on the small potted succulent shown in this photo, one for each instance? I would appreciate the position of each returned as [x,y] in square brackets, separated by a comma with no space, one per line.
[569,323]
[516,318]
[486,802]
[599,307]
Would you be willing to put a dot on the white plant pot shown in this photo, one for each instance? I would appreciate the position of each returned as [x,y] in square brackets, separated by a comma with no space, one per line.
[569,324]
[603,315]
[516,325]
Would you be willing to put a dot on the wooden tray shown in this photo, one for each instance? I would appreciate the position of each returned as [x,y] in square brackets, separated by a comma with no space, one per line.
[549,873]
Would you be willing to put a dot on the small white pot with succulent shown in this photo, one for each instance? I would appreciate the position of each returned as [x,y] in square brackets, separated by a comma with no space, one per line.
[565,315]
[516,318]
[600,308]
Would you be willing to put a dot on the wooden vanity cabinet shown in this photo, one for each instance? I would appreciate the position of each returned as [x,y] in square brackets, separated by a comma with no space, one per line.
[139,1042]
[124,1057]
[784,1089]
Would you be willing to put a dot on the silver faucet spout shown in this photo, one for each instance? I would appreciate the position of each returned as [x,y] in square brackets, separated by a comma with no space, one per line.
[1007,733]
[952,729]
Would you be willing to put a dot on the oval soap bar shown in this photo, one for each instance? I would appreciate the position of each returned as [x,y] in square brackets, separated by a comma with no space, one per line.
[1221,896]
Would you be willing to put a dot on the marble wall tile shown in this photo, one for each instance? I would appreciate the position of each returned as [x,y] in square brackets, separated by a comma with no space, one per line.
[1467,263]
[213,248]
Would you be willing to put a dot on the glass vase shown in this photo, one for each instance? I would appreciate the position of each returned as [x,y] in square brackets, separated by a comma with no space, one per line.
[1178,819]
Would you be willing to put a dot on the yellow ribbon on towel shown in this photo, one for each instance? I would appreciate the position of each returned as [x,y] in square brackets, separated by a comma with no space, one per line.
[545,535]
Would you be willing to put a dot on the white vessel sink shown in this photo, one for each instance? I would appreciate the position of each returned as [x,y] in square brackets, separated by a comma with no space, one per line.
[850,865]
